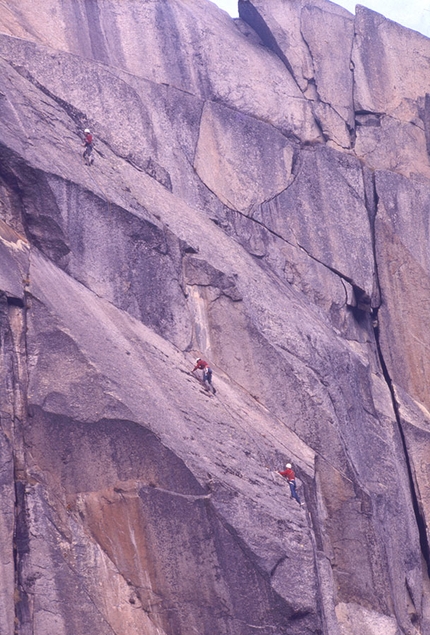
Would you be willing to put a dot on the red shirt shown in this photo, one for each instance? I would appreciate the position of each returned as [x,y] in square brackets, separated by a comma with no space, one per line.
[289,474]
[88,138]
[201,365]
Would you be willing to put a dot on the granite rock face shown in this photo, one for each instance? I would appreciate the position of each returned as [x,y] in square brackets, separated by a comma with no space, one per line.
[302,34]
[259,198]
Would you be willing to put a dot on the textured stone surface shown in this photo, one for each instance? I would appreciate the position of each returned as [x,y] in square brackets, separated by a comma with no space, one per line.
[242,161]
[391,73]
[302,33]
[416,428]
[145,396]
[402,230]
[386,143]
[355,619]
[180,49]
[236,210]
[390,63]
[328,193]
[7,476]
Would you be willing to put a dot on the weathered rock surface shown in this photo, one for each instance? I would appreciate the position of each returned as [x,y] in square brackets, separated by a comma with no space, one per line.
[390,78]
[302,34]
[239,159]
[402,240]
[180,48]
[259,197]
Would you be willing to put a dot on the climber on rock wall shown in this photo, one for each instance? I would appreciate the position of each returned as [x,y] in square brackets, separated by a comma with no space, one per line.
[206,373]
[289,474]
[88,143]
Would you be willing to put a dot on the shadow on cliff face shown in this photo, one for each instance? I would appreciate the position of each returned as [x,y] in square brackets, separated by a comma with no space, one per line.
[112,528]
[138,264]
[32,206]
[182,564]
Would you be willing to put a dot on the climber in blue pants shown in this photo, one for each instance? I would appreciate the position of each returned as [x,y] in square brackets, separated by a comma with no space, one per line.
[206,374]
[289,474]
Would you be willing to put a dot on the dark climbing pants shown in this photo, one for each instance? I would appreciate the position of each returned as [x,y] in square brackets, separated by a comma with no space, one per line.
[88,150]
[293,491]
[207,375]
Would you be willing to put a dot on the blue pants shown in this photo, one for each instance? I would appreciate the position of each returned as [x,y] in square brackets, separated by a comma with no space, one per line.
[293,491]
[207,375]
[88,150]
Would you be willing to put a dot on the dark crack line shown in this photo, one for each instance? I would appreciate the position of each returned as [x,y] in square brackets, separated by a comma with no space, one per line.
[420,520]
[18,350]
[280,561]
[258,222]
[297,245]
[294,161]
[332,269]
[326,103]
